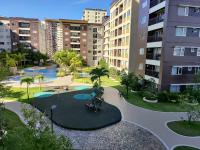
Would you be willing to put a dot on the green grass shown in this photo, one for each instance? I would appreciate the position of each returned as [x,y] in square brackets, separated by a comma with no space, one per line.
[185,148]
[12,120]
[135,99]
[20,94]
[185,128]
[105,81]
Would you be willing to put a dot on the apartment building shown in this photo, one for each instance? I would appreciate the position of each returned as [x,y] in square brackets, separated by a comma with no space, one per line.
[171,31]
[123,34]
[94,15]
[25,31]
[42,37]
[66,34]
[106,38]
[5,34]
[94,43]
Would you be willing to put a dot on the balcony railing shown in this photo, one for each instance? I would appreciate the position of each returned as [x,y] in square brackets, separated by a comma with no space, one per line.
[154,38]
[156,20]
[152,73]
[155,2]
[153,57]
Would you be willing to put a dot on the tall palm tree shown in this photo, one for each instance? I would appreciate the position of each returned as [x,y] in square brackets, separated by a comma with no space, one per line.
[40,78]
[28,81]
[97,73]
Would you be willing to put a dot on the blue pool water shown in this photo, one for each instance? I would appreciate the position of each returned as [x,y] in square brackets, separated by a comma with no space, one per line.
[44,94]
[81,87]
[84,96]
[84,75]
[49,73]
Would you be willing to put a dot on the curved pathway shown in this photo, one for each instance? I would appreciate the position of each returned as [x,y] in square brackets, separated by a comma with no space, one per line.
[153,121]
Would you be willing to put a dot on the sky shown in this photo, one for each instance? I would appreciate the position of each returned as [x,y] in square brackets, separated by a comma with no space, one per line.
[53,9]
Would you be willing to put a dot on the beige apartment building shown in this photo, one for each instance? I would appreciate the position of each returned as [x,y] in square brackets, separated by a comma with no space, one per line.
[94,15]
[123,32]
[106,38]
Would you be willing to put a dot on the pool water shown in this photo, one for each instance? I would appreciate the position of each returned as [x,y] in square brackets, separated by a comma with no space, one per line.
[44,94]
[49,73]
[84,96]
[81,87]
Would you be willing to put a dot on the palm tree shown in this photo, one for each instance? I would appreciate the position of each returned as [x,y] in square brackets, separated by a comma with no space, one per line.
[74,63]
[28,81]
[127,80]
[97,73]
[40,78]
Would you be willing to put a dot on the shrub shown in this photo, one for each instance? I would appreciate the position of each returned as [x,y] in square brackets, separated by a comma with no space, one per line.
[148,95]
[163,96]
[61,74]
[174,97]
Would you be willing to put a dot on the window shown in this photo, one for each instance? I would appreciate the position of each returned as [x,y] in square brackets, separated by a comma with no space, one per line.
[183,11]
[192,50]
[177,70]
[141,66]
[198,52]
[181,31]
[175,88]
[144,19]
[141,51]
[1,43]
[189,68]
[179,51]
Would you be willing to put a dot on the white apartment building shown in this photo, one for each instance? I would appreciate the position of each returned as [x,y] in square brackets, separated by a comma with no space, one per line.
[94,15]
[5,36]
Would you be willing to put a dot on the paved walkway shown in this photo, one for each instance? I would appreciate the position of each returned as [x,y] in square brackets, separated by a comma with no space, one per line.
[152,120]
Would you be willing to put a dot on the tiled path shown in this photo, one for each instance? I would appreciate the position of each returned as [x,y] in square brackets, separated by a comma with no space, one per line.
[136,139]
[152,120]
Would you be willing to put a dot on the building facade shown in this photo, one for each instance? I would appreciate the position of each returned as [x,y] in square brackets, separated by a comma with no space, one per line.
[106,38]
[171,31]
[94,15]
[5,34]
[25,31]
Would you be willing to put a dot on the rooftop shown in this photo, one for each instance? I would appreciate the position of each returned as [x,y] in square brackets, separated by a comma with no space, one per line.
[93,9]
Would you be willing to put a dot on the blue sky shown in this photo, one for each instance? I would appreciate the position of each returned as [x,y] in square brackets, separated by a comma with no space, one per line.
[55,9]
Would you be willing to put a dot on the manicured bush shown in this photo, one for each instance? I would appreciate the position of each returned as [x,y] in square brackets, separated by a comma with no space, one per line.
[150,96]
[163,96]
[174,97]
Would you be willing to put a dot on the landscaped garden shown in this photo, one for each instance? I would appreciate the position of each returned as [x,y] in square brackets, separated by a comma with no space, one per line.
[185,128]
[185,148]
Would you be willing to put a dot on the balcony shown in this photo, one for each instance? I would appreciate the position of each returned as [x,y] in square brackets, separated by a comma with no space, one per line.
[152,73]
[156,20]
[153,56]
[155,2]
[154,38]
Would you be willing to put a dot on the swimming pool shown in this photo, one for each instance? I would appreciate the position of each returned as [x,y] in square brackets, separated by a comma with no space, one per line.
[84,96]
[81,87]
[44,94]
[49,73]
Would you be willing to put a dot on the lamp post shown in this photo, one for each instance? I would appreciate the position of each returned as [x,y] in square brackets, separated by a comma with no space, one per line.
[52,108]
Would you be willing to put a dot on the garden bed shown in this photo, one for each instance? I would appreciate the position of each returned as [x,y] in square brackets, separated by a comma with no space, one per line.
[185,128]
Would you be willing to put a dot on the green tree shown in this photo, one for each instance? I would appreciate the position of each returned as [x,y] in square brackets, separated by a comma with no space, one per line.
[127,80]
[74,63]
[28,81]
[36,135]
[97,73]
[40,78]
[103,64]
[10,62]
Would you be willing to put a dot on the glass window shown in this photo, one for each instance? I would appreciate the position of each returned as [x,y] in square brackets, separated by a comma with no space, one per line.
[175,88]
[198,52]
[179,51]
[177,70]
[181,31]
[141,51]
[183,11]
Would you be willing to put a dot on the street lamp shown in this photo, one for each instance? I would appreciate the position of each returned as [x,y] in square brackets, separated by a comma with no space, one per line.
[52,108]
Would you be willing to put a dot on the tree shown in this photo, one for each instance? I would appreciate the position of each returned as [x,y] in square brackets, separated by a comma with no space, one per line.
[10,62]
[36,135]
[40,78]
[97,73]
[103,64]
[127,80]
[28,81]
[74,63]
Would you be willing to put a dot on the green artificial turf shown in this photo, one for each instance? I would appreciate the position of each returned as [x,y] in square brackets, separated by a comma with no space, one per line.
[185,128]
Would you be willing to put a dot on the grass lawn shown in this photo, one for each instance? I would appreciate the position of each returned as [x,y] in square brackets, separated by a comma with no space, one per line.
[105,81]
[12,120]
[185,148]
[135,99]
[19,94]
[184,128]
